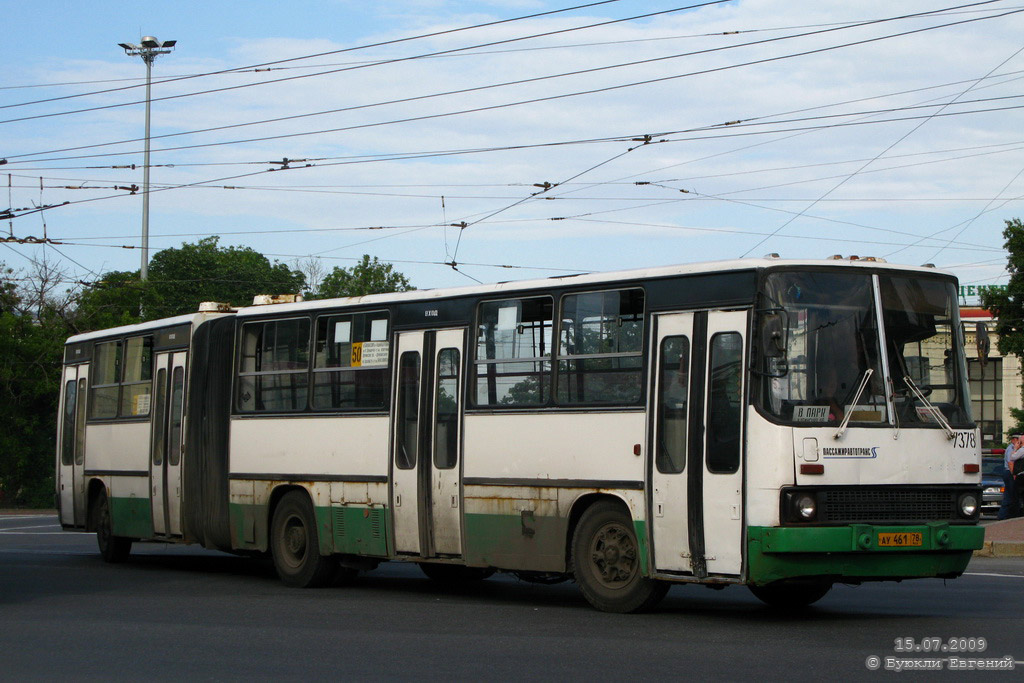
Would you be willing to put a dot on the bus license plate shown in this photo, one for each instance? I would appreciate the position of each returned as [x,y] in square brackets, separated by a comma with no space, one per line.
[900,540]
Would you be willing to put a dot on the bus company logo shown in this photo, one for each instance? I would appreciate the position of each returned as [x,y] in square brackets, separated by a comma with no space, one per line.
[868,453]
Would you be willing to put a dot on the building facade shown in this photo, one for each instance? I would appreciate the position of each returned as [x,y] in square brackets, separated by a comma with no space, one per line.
[995,380]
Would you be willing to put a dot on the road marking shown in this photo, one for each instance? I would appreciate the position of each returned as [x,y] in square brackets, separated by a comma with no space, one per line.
[27,516]
[37,526]
[1004,576]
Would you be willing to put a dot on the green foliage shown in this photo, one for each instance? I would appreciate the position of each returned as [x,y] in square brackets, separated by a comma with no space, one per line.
[180,279]
[1007,306]
[366,277]
[31,347]
[114,300]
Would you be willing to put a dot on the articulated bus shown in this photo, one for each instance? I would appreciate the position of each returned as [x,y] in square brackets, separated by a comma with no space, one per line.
[779,424]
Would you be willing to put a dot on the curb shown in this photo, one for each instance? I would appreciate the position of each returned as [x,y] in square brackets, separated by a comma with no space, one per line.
[1001,549]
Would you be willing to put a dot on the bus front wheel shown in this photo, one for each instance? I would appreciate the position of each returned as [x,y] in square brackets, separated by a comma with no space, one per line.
[791,594]
[112,548]
[606,562]
[296,546]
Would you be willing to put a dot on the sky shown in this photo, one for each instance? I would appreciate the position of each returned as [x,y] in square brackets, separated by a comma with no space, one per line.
[515,139]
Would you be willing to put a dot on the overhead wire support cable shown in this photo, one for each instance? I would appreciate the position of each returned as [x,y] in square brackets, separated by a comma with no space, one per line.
[460,91]
[384,43]
[536,100]
[383,62]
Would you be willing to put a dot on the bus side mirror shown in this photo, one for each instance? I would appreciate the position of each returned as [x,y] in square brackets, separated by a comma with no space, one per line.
[773,335]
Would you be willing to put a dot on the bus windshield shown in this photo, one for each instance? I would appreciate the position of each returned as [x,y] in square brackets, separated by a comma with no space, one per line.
[831,345]
[925,353]
[824,364]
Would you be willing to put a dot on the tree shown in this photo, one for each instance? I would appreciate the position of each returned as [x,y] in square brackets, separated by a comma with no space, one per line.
[180,279]
[115,299]
[1007,306]
[32,333]
[366,277]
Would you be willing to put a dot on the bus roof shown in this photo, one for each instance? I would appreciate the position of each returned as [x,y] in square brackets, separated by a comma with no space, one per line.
[583,279]
[515,286]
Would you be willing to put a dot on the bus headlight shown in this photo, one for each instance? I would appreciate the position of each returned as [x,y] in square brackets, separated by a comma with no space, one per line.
[968,504]
[805,507]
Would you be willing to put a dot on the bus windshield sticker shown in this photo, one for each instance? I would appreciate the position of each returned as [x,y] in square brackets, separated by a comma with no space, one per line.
[343,332]
[379,330]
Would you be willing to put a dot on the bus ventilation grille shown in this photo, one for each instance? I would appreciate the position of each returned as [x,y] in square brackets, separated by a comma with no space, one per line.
[887,505]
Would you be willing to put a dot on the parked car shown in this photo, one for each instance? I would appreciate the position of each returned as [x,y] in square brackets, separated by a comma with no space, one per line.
[992,469]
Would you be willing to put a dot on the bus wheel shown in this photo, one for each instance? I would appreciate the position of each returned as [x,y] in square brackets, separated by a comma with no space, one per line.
[112,548]
[295,545]
[791,594]
[454,573]
[606,562]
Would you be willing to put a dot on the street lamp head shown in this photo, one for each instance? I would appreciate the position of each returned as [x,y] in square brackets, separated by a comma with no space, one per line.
[149,48]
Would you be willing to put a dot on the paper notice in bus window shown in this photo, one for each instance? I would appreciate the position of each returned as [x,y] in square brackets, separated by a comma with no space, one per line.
[371,354]
[343,332]
[866,413]
[379,330]
[810,413]
[140,404]
[508,317]
[925,414]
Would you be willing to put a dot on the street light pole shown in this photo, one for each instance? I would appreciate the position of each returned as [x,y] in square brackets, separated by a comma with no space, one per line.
[148,50]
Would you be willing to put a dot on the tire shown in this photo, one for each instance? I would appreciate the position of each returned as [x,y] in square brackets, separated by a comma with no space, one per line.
[454,573]
[112,548]
[791,595]
[606,562]
[295,545]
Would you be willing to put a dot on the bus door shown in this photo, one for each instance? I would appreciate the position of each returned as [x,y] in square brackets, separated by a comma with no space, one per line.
[696,490]
[426,443]
[167,415]
[72,446]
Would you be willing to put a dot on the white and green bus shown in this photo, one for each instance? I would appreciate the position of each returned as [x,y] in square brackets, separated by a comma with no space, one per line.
[780,424]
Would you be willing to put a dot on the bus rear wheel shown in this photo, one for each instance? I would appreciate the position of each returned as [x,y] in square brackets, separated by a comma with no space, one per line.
[791,594]
[606,562]
[295,544]
[112,548]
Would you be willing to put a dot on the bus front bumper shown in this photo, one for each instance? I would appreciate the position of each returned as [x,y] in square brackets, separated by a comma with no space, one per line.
[860,552]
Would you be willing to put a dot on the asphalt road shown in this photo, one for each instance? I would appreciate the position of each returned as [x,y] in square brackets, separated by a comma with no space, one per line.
[174,613]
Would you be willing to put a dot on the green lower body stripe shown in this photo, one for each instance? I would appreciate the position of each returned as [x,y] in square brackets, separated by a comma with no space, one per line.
[860,551]
[131,517]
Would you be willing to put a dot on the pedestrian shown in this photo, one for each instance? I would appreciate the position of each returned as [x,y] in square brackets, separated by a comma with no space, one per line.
[1010,505]
[1016,462]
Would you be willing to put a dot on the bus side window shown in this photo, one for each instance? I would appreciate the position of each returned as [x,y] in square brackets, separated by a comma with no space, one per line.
[273,375]
[350,361]
[67,451]
[513,352]
[446,412]
[725,403]
[673,388]
[601,347]
[407,418]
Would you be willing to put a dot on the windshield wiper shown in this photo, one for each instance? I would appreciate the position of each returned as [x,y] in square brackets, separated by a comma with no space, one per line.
[856,400]
[936,413]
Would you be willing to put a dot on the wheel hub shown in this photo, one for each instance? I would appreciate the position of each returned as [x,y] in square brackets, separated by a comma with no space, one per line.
[613,554]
